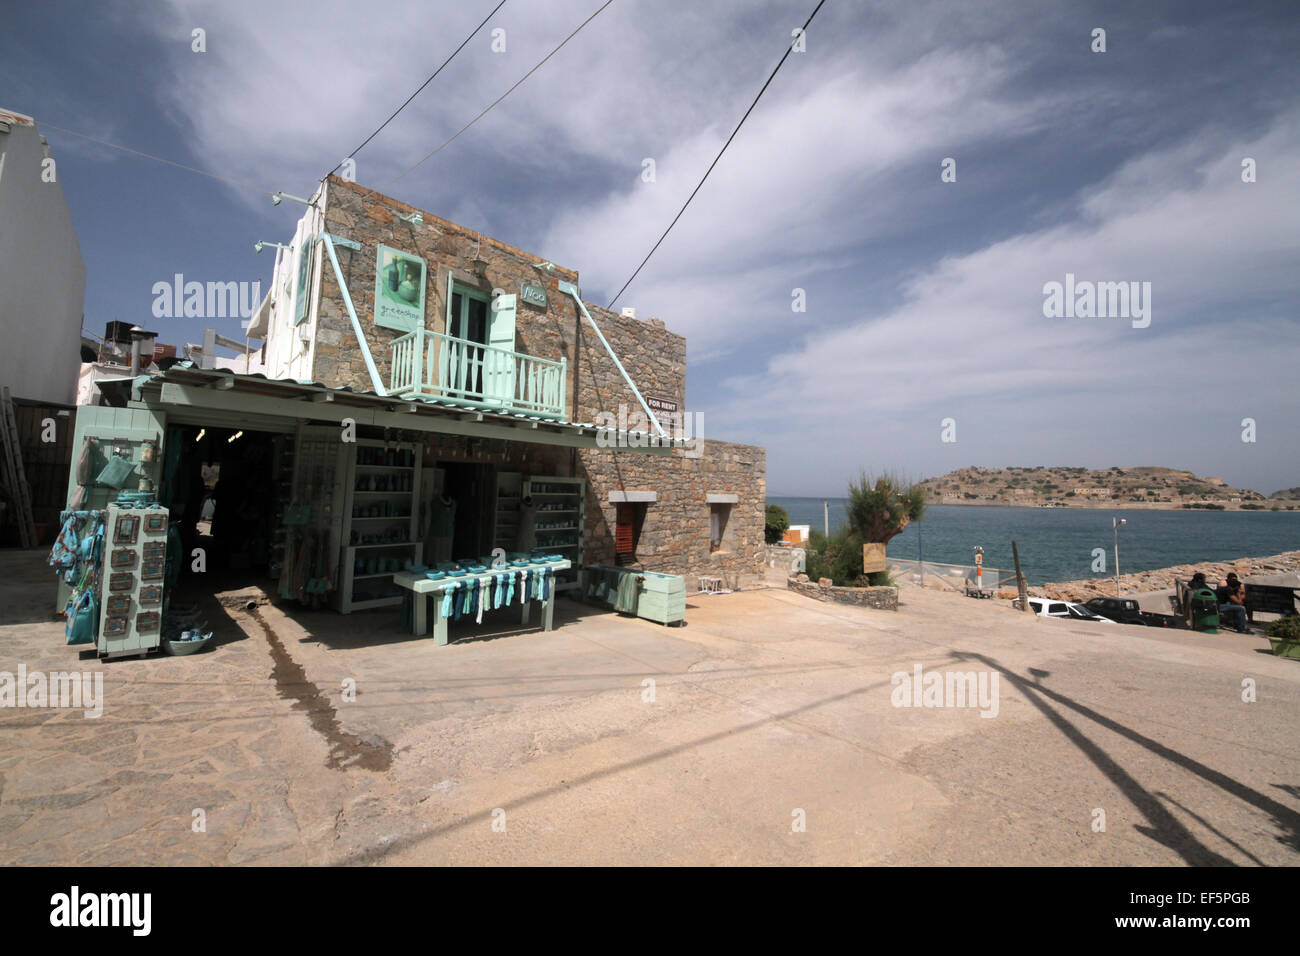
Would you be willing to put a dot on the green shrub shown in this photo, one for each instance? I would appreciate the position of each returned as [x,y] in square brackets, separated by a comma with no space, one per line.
[778,523]
[1287,628]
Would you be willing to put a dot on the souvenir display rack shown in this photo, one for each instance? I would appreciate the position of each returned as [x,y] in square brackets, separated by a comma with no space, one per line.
[309,519]
[380,526]
[557,520]
[133,576]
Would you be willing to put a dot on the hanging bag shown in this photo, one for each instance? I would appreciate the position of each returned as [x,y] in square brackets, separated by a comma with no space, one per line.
[82,622]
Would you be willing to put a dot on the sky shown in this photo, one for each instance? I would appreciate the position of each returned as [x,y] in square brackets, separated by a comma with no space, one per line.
[861,281]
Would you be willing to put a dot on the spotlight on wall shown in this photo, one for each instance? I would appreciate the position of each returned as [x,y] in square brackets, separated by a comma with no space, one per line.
[199,436]
[257,246]
[548,266]
[238,434]
[276,199]
[415,219]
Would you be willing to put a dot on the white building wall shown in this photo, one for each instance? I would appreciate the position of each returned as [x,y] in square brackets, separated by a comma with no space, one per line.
[290,348]
[42,275]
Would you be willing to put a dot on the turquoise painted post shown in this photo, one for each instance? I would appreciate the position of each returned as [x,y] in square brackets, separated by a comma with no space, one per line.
[416,359]
[563,387]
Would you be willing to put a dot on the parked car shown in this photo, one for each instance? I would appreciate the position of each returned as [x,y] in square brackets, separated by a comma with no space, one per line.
[1067,610]
[1119,610]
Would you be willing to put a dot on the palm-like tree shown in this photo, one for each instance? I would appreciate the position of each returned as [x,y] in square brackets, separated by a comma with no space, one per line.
[880,508]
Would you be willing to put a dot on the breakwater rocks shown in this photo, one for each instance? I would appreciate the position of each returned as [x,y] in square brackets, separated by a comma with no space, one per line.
[1163,579]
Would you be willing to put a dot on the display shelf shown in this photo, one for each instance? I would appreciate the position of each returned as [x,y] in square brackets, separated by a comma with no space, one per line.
[364,462]
[542,494]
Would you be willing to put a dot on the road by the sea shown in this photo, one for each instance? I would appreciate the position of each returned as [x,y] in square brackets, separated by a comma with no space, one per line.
[1056,544]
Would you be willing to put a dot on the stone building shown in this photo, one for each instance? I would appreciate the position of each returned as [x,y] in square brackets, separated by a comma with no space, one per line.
[453,317]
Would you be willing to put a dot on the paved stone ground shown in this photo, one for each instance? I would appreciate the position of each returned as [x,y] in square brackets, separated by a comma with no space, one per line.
[767,708]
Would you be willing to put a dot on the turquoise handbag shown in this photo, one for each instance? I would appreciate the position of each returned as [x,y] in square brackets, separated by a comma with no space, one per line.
[83,618]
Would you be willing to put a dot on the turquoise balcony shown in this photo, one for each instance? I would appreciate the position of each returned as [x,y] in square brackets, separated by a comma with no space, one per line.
[430,365]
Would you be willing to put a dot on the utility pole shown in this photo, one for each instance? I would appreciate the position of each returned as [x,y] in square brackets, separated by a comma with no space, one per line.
[920,551]
[1114,524]
[1020,580]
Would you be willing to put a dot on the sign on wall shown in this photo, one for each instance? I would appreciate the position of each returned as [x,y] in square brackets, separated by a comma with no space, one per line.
[399,289]
[533,294]
[658,405]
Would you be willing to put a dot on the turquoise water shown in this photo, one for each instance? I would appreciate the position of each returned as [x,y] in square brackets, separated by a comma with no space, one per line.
[1056,544]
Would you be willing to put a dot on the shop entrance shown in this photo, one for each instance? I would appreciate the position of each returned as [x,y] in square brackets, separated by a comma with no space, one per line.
[222,493]
[469,485]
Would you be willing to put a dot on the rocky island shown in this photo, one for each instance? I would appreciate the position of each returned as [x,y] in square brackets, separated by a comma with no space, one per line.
[1067,487]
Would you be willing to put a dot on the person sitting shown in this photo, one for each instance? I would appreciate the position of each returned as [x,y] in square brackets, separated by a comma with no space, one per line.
[1232,603]
[1235,586]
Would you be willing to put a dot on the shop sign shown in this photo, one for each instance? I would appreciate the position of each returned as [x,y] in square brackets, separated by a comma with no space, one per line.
[533,294]
[399,289]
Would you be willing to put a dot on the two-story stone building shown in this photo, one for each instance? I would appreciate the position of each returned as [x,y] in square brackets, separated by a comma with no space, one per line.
[479,332]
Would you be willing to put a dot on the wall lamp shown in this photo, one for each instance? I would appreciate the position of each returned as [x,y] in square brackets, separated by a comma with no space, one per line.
[238,434]
[277,197]
[257,246]
[415,218]
[547,266]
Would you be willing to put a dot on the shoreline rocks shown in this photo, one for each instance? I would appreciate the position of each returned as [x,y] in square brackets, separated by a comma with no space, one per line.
[1162,579]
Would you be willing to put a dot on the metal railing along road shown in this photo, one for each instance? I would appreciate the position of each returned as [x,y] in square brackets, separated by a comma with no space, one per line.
[957,576]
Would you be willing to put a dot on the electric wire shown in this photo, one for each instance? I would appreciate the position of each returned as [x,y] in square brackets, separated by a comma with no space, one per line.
[788,50]
[489,107]
[352,155]
[135,152]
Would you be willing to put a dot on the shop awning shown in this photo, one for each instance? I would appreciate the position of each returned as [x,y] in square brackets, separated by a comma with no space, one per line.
[217,398]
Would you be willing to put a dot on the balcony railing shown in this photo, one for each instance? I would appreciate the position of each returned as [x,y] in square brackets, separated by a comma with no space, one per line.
[432,365]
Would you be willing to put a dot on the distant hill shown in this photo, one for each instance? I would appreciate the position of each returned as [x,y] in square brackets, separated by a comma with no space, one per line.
[1066,487]
[1286,493]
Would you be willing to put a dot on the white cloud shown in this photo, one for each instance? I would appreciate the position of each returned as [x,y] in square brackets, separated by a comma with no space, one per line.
[971,336]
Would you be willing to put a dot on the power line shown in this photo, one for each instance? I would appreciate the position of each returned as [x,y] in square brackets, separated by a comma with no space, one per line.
[419,91]
[502,96]
[158,159]
[788,50]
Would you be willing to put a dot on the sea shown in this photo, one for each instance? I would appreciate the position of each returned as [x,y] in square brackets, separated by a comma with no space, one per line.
[1058,544]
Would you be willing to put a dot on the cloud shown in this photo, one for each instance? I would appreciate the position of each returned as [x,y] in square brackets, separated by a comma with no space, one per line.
[970,339]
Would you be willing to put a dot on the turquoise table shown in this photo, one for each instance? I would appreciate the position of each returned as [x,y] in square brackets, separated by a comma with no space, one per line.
[423,588]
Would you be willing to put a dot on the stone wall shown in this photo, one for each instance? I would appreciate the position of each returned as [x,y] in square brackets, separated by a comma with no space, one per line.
[789,560]
[655,357]
[675,532]
[881,598]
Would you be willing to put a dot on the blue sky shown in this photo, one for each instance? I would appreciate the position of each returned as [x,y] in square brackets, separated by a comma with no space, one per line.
[924,298]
